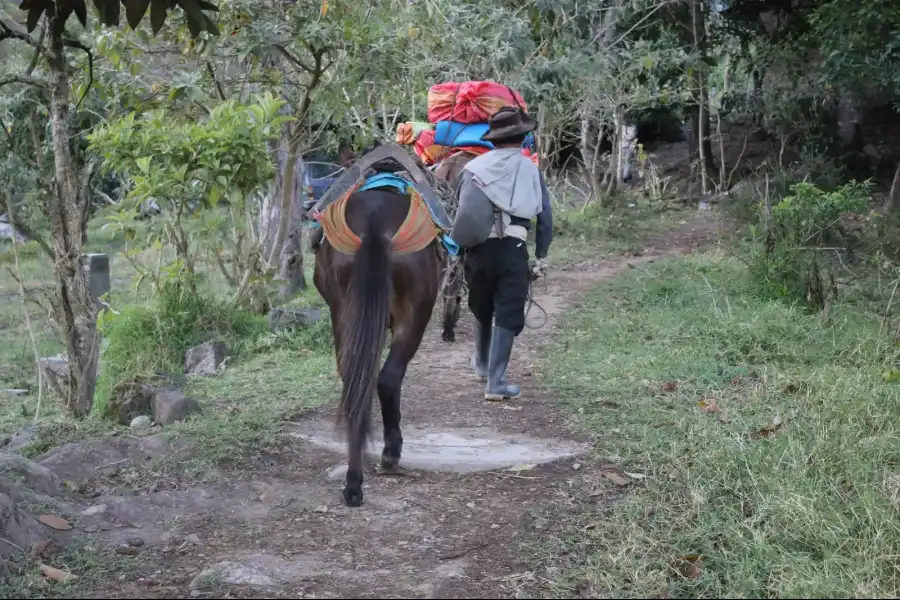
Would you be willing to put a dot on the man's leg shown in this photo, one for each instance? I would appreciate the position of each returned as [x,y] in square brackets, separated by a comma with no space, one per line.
[509,303]
[482,284]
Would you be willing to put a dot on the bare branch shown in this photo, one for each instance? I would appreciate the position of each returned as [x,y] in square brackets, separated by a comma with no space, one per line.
[293,59]
[6,32]
[19,225]
[76,44]
[38,52]
[25,79]
[212,73]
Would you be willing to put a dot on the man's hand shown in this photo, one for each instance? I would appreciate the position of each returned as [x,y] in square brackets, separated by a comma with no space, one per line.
[538,268]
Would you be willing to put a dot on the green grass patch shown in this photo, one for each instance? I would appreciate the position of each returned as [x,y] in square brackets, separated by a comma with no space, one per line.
[92,566]
[805,509]
[245,406]
[147,340]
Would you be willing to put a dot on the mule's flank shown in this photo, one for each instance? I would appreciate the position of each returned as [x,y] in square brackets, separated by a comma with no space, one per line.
[364,326]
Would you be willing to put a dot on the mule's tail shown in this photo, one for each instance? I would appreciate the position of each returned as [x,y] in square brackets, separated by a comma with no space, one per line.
[364,324]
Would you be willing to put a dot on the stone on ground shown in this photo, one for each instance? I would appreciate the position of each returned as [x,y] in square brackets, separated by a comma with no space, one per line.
[170,406]
[29,474]
[141,422]
[128,400]
[205,358]
[18,530]
[22,437]
[291,318]
[232,573]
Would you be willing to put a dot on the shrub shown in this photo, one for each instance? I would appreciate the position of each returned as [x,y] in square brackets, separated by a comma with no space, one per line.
[149,340]
[803,237]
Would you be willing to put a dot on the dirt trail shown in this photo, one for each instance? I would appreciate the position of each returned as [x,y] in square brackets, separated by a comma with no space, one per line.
[284,532]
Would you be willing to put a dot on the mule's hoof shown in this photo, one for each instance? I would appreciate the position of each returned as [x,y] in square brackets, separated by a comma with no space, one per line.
[353,498]
[448,336]
[389,462]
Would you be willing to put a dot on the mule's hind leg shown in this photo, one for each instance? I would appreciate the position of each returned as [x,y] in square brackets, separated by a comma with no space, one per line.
[451,317]
[452,298]
[409,329]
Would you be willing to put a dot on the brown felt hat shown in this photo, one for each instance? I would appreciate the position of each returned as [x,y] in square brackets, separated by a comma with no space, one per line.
[508,123]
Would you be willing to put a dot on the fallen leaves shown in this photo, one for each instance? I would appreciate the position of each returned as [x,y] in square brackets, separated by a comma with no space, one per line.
[688,566]
[41,548]
[56,574]
[620,478]
[55,522]
[768,430]
[711,405]
[616,479]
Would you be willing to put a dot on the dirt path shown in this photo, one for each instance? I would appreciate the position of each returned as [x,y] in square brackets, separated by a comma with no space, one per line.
[284,532]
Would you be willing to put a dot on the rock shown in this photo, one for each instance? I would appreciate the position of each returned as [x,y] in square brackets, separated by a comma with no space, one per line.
[205,358]
[193,538]
[170,406]
[78,460]
[17,529]
[141,422]
[29,474]
[127,550]
[22,438]
[128,400]
[56,370]
[232,573]
[291,318]
[94,510]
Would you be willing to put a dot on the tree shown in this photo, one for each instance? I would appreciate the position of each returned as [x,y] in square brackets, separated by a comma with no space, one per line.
[68,203]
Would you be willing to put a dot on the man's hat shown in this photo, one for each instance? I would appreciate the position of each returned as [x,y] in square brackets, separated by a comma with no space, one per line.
[508,123]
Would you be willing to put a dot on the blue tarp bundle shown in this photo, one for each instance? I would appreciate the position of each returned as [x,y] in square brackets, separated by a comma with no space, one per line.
[458,135]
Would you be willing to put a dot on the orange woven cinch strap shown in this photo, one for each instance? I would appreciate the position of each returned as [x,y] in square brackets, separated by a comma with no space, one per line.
[334,225]
[415,233]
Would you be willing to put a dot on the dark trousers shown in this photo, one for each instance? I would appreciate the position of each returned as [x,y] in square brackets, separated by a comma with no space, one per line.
[497,275]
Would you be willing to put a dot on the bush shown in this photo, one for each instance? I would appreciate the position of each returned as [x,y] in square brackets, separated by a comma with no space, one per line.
[146,341]
[803,237]
[594,221]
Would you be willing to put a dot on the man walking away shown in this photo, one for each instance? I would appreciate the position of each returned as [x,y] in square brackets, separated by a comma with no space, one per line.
[500,193]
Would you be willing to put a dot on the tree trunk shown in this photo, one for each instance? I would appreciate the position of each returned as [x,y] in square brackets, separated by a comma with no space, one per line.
[702,108]
[589,154]
[615,157]
[280,227]
[68,211]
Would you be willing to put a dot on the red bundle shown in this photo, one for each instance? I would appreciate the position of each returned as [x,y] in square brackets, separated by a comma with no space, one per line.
[471,101]
[427,150]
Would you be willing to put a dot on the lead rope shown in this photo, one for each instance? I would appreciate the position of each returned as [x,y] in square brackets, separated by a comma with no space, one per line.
[534,303]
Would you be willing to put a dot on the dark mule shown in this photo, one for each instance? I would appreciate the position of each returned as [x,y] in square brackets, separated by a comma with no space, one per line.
[368,293]
[448,171]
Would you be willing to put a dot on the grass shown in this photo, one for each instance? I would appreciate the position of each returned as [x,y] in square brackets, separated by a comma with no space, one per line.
[805,509]
[94,567]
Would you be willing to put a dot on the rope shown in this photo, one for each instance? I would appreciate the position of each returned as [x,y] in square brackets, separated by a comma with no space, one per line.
[533,303]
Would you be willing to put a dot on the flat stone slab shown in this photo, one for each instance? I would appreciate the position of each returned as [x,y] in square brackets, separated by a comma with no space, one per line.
[452,450]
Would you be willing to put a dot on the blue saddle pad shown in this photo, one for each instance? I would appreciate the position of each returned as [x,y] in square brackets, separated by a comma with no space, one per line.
[382,180]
